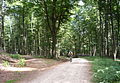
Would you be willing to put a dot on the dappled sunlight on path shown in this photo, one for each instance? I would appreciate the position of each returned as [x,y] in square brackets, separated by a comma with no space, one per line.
[16,68]
[77,71]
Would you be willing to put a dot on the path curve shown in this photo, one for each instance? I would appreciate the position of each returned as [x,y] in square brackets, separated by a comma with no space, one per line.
[77,71]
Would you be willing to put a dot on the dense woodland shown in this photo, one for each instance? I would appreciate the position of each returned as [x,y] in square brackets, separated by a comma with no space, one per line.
[53,27]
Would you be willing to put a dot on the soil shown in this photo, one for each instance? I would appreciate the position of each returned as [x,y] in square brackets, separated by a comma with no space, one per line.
[33,65]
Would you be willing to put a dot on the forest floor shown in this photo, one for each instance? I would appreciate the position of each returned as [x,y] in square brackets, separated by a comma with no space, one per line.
[77,71]
[33,66]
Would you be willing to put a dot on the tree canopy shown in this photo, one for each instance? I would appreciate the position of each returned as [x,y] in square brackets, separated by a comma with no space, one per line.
[49,27]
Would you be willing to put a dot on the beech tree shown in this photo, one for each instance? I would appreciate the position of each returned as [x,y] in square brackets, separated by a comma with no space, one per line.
[46,27]
[56,13]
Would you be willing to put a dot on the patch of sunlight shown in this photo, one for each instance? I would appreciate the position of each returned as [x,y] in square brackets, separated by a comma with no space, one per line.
[64,82]
[43,69]
[117,59]
[79,60]
[81,3]
[17,69]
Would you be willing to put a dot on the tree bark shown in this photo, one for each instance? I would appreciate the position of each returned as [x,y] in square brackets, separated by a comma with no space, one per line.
[2,34]
[54,42]
[113,38]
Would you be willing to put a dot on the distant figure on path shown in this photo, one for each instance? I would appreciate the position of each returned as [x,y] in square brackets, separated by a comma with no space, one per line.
[70,54]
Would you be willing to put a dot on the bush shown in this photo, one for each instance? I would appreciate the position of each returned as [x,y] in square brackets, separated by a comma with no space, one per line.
[106,71]
[15,56]
[21,63]
[6,63]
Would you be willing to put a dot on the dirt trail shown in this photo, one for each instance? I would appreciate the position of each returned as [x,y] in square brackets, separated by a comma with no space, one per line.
[77,71]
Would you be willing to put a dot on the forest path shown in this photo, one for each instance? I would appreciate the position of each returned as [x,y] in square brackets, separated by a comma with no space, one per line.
[77,71]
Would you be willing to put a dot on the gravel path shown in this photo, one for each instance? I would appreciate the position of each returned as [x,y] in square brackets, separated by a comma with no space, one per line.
[77,71]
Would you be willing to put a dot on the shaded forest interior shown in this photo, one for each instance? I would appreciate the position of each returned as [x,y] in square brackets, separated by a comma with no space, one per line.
[53,27]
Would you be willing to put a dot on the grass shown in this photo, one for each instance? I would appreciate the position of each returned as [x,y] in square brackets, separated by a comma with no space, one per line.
[39,56]
[15,56]
[4,53]
[117,82]
[10,81]
[90,58]
[105,70]
[21,63]
[6,63]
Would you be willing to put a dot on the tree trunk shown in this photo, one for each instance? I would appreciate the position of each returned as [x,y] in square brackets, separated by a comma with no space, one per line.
[113,39]
[94,52]
[54,42]
[118,24]
[115,53]
[106,30]
[2,34]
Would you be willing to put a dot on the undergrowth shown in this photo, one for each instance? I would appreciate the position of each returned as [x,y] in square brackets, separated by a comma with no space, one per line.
[10,81]
[90,58]
[21,63]
[6,63]
[105,70]
[15,56]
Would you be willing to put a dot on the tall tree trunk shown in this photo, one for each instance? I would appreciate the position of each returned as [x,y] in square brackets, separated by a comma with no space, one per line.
[94,51]
[89,42]
[118,24]
[111,18]
[101,31]
[54,42]
[23,24]
[3,34]
[106,30]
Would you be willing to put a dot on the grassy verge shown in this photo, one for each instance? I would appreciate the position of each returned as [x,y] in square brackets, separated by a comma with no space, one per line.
[90,58]
[105,70]
[15,56]
[10,81]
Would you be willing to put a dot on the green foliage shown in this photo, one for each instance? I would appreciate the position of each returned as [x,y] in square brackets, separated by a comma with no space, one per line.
[21,63]
[15,56]
[6,63]
[28,24]
[10,81]
[31,25]
[90,58]
[117,82]
[106,71]
[40,56]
